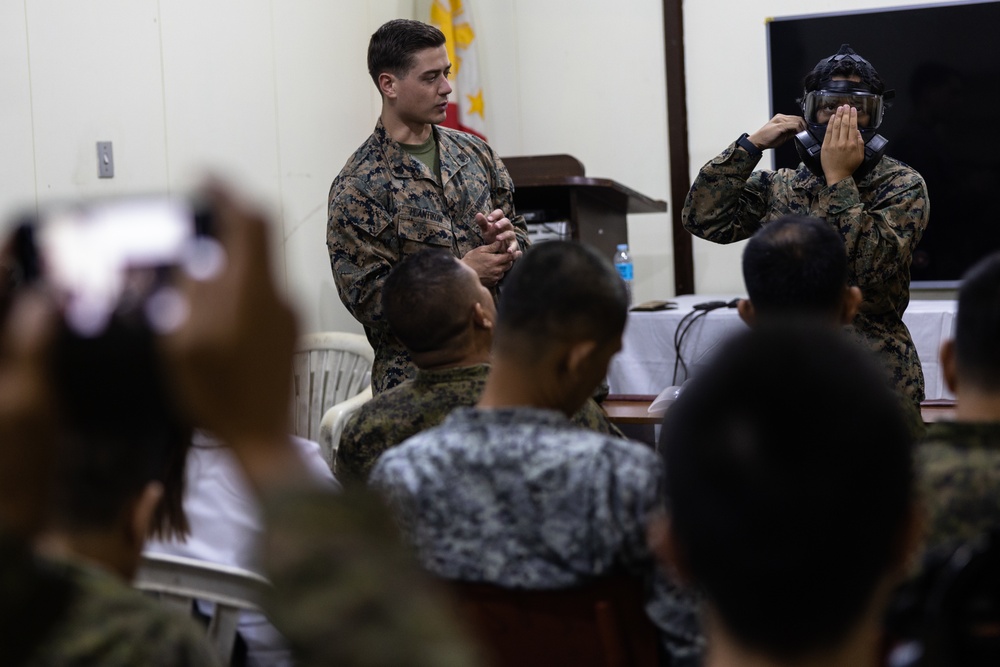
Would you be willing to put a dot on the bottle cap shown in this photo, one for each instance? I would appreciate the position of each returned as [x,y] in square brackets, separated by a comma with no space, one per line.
[623,246]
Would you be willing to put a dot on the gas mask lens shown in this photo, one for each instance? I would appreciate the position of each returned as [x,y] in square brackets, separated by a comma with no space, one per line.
[819,106]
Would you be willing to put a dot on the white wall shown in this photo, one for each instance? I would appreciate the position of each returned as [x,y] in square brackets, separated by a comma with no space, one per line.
[275,95]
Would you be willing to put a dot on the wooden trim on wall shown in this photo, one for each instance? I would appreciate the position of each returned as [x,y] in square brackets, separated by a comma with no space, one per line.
[677,133]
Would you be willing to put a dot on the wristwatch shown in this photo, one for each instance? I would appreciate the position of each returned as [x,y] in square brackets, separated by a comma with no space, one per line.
[750,147]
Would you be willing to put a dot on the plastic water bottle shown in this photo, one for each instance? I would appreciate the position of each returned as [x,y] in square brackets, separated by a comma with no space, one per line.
[623,262]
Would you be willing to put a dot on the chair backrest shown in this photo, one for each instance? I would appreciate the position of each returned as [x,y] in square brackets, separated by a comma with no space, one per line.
[178,582]
[329,368]
[600,624]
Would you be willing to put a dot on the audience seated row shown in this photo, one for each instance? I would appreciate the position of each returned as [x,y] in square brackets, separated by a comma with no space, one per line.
[785,503]
[447,327]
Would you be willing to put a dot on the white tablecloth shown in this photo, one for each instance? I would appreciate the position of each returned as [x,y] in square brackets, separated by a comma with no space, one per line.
[645,366]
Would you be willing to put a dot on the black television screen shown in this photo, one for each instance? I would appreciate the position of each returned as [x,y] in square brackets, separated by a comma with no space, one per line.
[943,61]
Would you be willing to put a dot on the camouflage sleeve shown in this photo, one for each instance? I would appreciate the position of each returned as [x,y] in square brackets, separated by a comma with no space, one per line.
[959,487]
[503,197]
[880,237]
[629,480]
[593,417]
[362,442]
[728,200]
[639,494]
[359,256]
[348,592]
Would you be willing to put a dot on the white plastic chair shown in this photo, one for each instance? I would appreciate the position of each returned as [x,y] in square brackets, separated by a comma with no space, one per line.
[178,582]
[332,379]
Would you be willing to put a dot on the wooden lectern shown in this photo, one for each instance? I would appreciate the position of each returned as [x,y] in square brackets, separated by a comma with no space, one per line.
[596,208]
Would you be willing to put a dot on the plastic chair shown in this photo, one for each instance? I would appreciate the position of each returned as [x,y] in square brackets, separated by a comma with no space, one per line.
[178,582]
[332,379]
[600,624]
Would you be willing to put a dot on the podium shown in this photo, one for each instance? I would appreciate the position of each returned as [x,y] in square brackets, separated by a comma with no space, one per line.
[595,208]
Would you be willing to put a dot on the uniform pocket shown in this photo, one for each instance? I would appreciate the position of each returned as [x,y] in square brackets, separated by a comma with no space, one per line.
[424,227]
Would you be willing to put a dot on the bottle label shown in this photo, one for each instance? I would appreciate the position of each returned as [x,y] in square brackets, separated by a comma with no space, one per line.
[625,270]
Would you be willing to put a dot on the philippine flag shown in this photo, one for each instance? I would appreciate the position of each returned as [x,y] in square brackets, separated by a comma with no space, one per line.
[465,105]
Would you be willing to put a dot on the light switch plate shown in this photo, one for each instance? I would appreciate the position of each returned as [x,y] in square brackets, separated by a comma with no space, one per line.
[105,160]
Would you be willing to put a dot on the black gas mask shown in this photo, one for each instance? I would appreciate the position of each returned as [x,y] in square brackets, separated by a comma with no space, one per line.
[819,107]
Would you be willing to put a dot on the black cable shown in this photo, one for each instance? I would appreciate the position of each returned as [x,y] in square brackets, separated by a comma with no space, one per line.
[698,311]
[686,322]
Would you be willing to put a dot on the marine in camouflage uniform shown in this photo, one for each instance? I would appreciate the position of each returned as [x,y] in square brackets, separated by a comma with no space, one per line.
[881,220]
[386,204]
[419,404]
[520,497]
[108,623]
[959,465]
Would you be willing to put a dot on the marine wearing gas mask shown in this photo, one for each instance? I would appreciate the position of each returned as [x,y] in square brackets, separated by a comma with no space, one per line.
[877,204]
[824,95]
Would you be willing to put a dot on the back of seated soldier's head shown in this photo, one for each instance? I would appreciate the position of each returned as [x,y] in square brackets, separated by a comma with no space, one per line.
[558,292]
[789,482]
[977,327]
[122,448]
[117,436]
[431,299]
[796,266]
[101,474]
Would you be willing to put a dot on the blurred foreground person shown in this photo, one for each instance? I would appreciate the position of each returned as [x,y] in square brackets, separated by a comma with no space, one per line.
[345,590]
[790,480]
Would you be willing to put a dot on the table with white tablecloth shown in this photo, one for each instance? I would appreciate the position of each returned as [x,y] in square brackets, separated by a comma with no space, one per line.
[645,366]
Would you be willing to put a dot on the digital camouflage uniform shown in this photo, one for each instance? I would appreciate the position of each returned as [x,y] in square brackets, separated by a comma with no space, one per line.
[417,405]
[880,219]
[347,591]
[386,204]
[109,623]
[959,463]
[34,597]
[520,497]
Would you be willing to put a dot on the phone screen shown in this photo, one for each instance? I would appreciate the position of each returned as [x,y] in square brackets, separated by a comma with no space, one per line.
[115,255]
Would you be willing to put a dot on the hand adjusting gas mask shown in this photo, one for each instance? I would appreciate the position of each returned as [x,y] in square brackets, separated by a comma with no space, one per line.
[820,106]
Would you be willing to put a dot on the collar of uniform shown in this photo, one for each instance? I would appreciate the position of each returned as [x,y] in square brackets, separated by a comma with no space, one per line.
[452,156]
[965,435]
[455,373]
[401,163]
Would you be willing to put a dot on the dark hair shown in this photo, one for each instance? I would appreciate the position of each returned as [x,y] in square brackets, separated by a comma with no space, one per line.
[426,300]
[795,265]
[558,291]
[392,46]
[843,63]
[789,479]
[101,473]
[977,326]
[120,429]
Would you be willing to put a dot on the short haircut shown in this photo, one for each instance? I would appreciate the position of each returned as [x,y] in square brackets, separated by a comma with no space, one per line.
[101,475]
[977,326]
[426,300]
[789,481]
[559,291]
[846,65]
[393,45]
[795,265]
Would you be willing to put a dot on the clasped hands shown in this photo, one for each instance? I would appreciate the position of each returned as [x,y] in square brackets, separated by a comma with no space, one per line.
[499,251]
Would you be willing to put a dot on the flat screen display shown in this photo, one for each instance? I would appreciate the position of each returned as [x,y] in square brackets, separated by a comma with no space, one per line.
[943,61]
